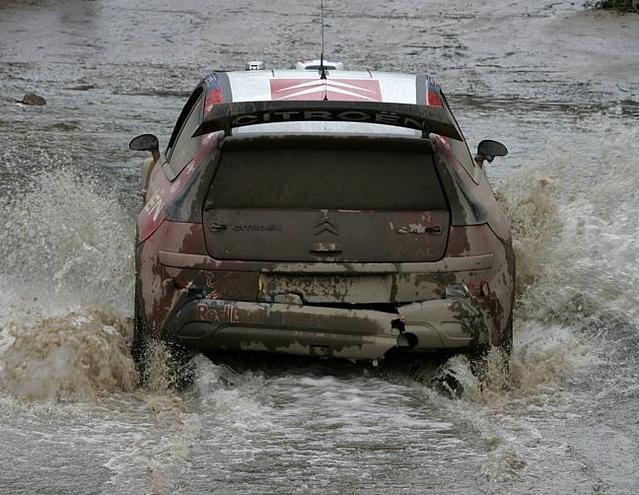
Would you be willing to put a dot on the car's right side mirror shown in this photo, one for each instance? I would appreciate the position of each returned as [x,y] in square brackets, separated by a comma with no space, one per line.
[488,150]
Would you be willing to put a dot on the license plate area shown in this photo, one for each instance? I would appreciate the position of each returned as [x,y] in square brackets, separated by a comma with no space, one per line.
[318,289]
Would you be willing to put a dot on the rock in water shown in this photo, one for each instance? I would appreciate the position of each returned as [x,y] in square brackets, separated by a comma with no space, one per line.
[33,99]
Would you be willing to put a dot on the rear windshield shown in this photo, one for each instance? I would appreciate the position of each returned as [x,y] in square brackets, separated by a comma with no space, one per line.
[326,179]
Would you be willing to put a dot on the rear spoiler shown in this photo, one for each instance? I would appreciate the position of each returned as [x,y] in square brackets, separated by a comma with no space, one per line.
[226,116]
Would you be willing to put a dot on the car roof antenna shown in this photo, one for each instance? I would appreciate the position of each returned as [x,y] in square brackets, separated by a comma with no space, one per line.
[322,68]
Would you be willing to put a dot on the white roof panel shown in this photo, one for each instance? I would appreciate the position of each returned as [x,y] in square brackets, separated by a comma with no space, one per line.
[289,84]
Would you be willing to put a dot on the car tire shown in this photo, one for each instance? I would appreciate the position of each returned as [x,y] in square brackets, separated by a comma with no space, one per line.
[140,345]
[478,355]
[176,366]
[506,343]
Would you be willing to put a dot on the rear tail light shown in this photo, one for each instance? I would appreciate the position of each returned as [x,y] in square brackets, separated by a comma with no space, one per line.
[468,289]
[433,99]
[457,290]
[433,93]
[213,97]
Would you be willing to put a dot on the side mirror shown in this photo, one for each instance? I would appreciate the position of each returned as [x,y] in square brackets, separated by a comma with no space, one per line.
[146,142]
[488,150]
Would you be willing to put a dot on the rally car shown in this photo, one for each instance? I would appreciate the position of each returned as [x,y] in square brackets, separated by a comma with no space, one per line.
[320,212]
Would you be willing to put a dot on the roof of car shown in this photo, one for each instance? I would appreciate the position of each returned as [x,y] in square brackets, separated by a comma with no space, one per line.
[339,85]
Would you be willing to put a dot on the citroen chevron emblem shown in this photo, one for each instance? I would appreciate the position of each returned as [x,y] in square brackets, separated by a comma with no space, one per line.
[333,89]
[325,225]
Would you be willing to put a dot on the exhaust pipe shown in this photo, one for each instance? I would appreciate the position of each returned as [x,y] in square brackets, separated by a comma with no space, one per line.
[406,340]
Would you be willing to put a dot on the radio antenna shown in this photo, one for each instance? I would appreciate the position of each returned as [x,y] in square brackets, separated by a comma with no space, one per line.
[322,68]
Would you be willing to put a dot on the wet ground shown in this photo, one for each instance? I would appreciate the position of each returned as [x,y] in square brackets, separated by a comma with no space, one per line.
[554,81]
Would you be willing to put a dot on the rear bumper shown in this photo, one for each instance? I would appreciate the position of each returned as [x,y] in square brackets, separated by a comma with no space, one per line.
[361,334]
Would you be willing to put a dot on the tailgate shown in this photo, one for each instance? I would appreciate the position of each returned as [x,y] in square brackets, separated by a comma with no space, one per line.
[326,199]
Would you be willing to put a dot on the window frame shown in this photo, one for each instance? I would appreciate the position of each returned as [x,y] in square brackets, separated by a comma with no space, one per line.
[194,100]
[472,171]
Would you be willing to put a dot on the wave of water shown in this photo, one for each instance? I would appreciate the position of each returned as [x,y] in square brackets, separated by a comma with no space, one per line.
[70,357]
[67,241]
[575,226]
[66,287]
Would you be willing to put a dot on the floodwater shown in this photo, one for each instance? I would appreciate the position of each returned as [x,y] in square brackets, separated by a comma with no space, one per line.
[559,84]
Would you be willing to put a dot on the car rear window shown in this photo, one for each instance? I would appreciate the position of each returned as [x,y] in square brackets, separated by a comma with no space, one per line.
[326,179]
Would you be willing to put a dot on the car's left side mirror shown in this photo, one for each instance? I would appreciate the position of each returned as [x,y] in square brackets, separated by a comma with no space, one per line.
[488,150]
[146,142]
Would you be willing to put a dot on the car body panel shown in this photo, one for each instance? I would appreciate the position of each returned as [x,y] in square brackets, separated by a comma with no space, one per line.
[210,324]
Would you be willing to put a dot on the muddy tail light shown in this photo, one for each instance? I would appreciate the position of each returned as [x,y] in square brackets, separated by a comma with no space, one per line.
[433,94]
[433,99]
[457,290]
[213,97]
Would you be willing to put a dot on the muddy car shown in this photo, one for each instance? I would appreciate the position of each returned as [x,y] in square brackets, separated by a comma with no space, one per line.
[327,213]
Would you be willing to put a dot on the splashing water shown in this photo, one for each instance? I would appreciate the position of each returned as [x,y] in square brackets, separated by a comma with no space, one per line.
[73,357]
[576,230]
[575,227]
[66,277]
[66,243]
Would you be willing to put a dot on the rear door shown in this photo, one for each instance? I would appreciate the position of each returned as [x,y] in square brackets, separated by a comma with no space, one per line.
[326,198]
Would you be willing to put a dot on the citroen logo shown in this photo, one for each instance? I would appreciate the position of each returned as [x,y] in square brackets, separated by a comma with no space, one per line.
[323,246]
[325,225]
[332,89]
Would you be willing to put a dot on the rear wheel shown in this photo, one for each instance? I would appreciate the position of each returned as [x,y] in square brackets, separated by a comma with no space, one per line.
[165,363]
[506,343]
[494,368]
[479,354]
[140,346]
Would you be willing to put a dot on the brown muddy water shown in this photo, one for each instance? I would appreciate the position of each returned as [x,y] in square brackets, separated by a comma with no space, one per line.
[557,83]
